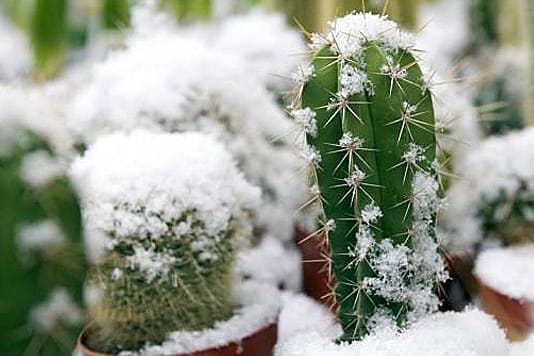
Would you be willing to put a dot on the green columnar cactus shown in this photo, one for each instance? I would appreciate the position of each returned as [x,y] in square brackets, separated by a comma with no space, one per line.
[41,259]
[165,214]
[49,36]
[367,113]
[116,14]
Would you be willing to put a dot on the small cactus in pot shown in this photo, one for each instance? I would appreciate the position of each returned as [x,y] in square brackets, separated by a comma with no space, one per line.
[366,109]
[164,216]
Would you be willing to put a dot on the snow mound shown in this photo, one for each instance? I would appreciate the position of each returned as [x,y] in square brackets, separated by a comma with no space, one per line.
[524,348]
[260,307]
[271,262]
[137,184]
[471,333]
[302,314]
[508,270]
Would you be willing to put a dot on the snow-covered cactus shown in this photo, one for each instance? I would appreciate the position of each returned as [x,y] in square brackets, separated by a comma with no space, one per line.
[49,36]
[164,215]
[367,113]
[41,253]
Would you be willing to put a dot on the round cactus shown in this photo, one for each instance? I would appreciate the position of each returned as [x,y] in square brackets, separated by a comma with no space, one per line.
[367,113]
[164,216]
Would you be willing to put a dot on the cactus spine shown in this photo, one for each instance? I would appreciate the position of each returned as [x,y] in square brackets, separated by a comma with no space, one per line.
[170,236]
[369,122]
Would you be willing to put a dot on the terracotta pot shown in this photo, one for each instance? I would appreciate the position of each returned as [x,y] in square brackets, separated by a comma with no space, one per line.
[261,343]
[317,282]
[514,315]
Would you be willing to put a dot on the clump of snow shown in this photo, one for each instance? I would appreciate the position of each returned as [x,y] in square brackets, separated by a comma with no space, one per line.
[41,236]
[265,42]
[271,262]
[508,271]
[347,35]
[471,333]
[163,81]
[301,314]
[140,185]
[498,185]
[58,308]
[523,348]
[260,306]
[39,168]
[15,52]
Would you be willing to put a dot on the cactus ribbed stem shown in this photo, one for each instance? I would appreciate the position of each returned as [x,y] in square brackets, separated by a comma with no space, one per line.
[370,138]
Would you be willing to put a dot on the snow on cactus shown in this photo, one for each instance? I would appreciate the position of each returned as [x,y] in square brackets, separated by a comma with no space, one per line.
[164,82]
[164,215]
[495,201]
[264,41]
[368,116]
[41,253]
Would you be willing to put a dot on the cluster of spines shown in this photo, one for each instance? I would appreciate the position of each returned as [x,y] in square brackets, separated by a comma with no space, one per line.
[369,126]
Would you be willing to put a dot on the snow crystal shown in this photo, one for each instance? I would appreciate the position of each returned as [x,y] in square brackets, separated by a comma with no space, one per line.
[39,168]
[306,118]
[303,73]
[58,308]
[151,84]
[41,236]
[371,213]
[260,305]
[414,154]
[508,270]
[151,263]
[471,333]
[352,80]
[271,262]
[15,52]
[311,155]
[136,184]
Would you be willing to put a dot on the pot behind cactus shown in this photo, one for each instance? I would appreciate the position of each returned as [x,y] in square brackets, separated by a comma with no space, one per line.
[165,215]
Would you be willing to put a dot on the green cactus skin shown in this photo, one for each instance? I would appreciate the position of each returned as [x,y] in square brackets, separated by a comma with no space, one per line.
[360,145]
[27,282]
[132,312]
[49,37]
[116,14]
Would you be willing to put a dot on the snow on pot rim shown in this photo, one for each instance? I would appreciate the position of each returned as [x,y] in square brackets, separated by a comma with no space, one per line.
[261,305]
[508,271]
[470,333]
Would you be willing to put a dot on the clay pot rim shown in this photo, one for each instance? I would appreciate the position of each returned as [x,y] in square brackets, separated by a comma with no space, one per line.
[264,331]
[251,294]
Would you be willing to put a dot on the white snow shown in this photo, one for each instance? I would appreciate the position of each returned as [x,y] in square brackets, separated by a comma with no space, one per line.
[508,270]
[164,81]
[471,333]
[39,168]
[260,306]
[136,184]
[523,348]
[264,41]
[58,308]
[499,171]
[272,262]
[42,236]
[301,314]
[15,52]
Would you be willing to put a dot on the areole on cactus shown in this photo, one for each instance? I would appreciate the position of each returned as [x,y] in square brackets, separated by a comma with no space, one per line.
[366,109]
